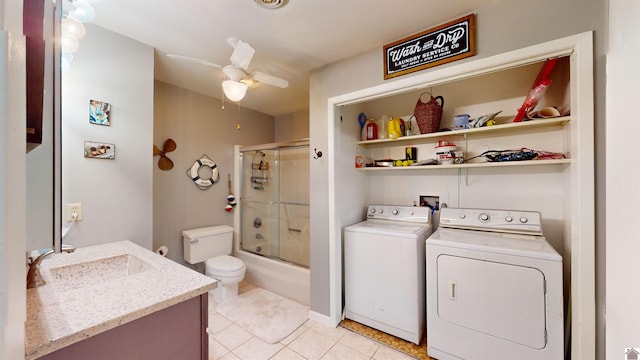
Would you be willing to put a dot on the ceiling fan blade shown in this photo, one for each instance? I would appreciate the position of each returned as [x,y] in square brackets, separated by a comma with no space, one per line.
[194,60]
[242,54]
[269,79]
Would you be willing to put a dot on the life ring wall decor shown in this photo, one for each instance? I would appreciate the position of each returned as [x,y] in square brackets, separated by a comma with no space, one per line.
[194,173]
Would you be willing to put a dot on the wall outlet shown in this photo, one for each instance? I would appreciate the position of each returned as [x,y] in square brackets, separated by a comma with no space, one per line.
[74,208]
[432,202]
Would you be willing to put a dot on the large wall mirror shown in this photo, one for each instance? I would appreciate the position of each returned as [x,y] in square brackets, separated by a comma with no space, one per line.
[43,160]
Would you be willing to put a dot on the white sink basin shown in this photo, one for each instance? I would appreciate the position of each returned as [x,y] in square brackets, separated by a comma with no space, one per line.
[94,272]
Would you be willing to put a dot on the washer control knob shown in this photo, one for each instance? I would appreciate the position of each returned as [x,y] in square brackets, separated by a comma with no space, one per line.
[395,211]
[508,219]
[373,211]
[412,213]
[484,217]
[524,220]
[380,211]
[463,216]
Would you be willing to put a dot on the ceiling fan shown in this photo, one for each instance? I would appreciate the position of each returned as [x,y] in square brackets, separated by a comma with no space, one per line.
[238,76]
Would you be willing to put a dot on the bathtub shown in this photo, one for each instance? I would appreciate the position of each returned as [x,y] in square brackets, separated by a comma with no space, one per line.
[279,277]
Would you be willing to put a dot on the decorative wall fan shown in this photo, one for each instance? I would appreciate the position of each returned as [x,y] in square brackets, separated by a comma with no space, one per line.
[239,78]
[164,163]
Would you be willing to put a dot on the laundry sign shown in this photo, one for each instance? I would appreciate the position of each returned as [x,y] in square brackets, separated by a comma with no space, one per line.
[448,42]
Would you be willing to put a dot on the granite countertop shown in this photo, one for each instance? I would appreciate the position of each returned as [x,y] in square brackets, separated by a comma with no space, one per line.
[79,301]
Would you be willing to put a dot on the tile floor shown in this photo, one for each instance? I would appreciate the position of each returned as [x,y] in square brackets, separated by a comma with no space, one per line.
[311,341]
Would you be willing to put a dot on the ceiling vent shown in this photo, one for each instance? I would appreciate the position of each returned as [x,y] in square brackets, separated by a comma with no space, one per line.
[271,4]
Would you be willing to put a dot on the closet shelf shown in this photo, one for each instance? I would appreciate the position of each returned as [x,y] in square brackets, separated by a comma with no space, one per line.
[470,165]
[501,129]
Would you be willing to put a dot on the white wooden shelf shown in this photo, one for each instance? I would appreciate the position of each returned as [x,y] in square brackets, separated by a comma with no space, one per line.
[469,165]
[499,129]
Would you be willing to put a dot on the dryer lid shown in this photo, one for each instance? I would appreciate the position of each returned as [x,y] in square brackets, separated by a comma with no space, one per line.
[224,263]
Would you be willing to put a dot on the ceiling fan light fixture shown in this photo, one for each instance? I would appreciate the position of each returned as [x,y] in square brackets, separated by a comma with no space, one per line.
[83,11]
[234,90]
[72,28]
[271,4]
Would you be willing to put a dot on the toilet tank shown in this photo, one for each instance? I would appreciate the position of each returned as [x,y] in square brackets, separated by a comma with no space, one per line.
[204,243]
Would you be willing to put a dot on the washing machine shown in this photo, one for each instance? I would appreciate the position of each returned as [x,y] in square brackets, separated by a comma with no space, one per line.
[494,287]
[384,270]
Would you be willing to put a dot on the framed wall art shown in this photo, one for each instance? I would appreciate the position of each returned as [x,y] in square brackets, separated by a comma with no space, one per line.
[99,113]
[99,150]
[448,42]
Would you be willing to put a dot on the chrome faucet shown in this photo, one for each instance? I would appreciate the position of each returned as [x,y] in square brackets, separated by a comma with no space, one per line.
[34,279]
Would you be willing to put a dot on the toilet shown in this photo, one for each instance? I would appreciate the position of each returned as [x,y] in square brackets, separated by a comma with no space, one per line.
[213,245]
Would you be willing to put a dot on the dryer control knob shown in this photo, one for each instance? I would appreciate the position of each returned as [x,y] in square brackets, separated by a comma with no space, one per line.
[394,211]
[380,211]
[463,216]
[524,220]
[508,219]
[484,217]
[373,211]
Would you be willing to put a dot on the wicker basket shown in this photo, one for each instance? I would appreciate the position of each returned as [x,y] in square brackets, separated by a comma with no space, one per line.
[429,114]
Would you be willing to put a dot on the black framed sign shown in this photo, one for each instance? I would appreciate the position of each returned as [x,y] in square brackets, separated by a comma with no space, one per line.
[448,42]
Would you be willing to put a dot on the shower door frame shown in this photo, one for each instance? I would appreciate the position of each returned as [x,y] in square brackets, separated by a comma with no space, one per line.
[237,188]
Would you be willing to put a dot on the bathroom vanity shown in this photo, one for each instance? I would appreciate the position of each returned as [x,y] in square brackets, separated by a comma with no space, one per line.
[117,301]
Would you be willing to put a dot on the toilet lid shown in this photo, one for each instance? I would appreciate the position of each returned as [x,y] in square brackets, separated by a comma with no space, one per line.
[224,263]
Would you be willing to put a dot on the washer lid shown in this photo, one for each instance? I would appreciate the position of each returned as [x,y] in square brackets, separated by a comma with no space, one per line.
[224,263]
[386,227]
[532,246]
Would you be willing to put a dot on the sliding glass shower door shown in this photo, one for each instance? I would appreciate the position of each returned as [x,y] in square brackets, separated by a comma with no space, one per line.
[275,202]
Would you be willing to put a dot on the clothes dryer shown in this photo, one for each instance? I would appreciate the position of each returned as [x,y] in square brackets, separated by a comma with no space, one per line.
[494,287]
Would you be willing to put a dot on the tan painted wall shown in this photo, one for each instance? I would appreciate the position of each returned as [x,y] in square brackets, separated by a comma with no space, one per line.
[198,126]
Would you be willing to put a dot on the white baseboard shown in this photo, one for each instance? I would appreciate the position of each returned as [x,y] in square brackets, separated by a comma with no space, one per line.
[322,319]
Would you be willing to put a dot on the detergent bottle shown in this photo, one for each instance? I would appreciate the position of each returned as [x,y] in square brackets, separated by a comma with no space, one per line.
[394,128]
[372,130]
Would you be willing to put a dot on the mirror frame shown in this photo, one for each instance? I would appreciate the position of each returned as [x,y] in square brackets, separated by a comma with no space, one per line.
[57,130]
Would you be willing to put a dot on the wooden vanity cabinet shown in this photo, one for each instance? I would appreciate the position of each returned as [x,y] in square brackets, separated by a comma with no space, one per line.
[177,332]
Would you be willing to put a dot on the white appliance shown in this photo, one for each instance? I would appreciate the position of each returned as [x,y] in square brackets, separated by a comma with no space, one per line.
[384,270]
[494,287]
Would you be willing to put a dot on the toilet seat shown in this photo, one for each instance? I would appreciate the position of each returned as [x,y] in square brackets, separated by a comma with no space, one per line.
[224,264]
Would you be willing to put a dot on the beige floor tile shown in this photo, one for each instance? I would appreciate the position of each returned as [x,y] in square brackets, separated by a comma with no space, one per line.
[311,344]
[386,353]
[211,305]
[359,343]
[294,335]
[231,356]
[341,352]
[218,323]
[256,349]
[216,350]
[232,336]
[287,354]
[244,286]
[334,333]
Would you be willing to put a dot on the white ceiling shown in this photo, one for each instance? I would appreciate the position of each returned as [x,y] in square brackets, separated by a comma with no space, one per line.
[289,42]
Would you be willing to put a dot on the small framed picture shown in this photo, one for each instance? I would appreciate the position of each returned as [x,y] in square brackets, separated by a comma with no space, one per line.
[99,150]
[99,113]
